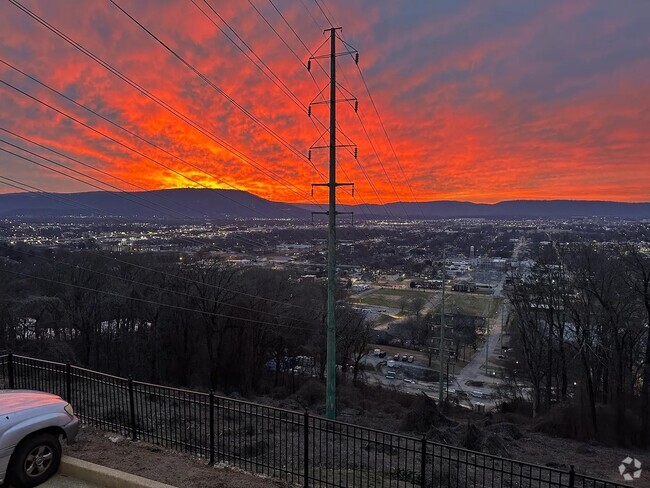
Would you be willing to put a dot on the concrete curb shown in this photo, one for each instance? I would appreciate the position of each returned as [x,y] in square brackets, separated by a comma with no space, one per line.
[105,477]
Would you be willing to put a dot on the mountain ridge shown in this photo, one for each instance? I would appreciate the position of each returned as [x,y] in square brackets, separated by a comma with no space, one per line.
[197,203]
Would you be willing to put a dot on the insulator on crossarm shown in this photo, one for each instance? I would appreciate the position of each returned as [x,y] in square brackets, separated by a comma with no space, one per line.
[356,105]
[309,111]
[356,58]
[309,155]
[356,152]
[309,65]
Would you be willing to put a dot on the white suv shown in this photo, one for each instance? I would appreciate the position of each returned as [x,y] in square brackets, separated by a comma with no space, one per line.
[31,423]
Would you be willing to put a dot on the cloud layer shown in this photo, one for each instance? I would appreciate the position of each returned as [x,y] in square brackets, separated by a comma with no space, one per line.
[483,101]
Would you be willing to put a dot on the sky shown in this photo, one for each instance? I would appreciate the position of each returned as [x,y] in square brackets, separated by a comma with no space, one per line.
[475,101]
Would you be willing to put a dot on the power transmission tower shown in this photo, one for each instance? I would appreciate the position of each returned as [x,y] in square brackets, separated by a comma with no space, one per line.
[331,214]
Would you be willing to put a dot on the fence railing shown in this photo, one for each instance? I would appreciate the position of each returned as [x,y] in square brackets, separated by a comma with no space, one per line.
[294,446]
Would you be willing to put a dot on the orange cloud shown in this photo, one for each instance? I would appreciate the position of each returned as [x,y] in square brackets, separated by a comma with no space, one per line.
[481,103]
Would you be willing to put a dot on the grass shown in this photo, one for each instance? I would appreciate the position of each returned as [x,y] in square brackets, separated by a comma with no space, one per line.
[388,297]
[472,304]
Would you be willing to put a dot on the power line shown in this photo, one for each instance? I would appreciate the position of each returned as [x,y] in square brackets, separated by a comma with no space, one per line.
[210,83]
[310,14]
[287,91]
[147,203]
[279,83]
[82,181]
[139,153]
[128,131]
[301,63]
[381,122]
[383,126]
[32,189]
[374,149]
[150,302]
[324,14]
[156,287]
[136,198]
[365,174]
[238,154]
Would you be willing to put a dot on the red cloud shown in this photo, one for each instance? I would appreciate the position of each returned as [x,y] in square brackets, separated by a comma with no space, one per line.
[462,128]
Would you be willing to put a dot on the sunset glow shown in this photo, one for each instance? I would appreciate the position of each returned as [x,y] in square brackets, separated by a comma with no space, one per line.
[483,101]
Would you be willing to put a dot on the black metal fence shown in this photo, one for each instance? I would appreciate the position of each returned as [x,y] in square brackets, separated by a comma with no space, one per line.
[293,446]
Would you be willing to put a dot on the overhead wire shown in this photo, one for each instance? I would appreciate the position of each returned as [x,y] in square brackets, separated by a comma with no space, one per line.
[309,51]
[177,113]
[56,109]
[324,14]
[284,88]
[131,133]
[32,189]
[376,111]
[274,78]
[136,151]
[158,288]
[147,204]
[383,126]
[121,127]
[379,159]
[210,83]
[82,51]
[151,302]
[354,195]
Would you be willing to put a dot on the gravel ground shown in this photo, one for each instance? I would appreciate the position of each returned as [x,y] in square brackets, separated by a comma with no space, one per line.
[159,464]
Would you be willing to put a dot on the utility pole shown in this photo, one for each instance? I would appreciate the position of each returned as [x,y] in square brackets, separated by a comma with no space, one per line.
[330,387]
[442,329]
[331,243]
[487,344]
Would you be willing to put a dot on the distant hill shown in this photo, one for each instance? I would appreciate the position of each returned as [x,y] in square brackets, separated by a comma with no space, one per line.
[165,204]
[181,204]
[512,208]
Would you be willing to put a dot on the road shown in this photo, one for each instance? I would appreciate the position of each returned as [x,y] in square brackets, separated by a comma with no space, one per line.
[61,481]
[475,369]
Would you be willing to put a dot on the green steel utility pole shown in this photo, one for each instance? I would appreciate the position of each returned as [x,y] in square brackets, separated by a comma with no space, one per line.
[331,243]
[330,396]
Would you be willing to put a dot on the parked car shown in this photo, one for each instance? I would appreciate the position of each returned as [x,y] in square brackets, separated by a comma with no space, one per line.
[396,357]
[404,357]
[411,359]
[31,424]
[382,354]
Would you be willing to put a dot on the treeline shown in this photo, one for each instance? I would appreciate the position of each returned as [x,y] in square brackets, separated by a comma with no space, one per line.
[166,318]
[580,323]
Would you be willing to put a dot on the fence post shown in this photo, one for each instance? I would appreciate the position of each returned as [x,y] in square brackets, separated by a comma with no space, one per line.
[423,461]
[211,427]
[132,410]
[10,371]
[572,477]
[68,382]
[306,448]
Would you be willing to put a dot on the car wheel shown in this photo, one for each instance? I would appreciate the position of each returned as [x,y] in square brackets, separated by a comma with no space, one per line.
[35,460]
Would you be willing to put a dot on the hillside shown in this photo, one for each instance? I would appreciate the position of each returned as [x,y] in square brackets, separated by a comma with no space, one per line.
[174,204]
[203,203]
